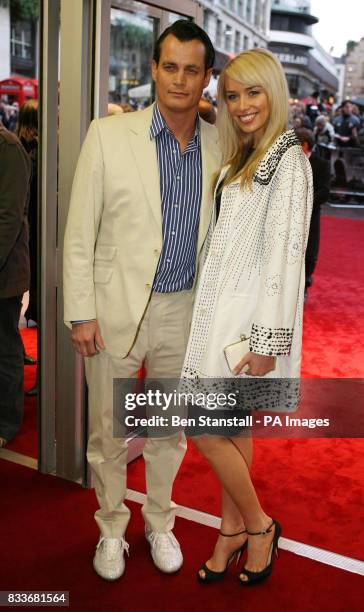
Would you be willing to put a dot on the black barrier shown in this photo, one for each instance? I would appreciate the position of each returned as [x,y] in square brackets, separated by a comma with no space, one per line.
[347,172]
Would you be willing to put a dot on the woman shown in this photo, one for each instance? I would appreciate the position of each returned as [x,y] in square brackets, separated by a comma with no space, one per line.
[252,283]
[323,132]
[27,131]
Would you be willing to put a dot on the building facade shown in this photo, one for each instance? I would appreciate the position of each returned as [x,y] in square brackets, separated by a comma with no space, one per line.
[354,72]
[236,25]
[18,44]
[308,67]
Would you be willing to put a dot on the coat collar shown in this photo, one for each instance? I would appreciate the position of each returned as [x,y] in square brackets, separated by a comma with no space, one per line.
[268,165]
[158,125]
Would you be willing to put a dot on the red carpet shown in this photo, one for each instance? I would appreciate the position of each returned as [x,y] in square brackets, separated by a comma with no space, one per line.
[49,544]
[334,313]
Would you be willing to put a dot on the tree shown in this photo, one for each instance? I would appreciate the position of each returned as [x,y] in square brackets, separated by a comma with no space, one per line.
[22,9]
[350,46]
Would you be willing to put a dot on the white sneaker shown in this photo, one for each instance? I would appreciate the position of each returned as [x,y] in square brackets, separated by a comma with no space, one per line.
[109,560]
[165,550]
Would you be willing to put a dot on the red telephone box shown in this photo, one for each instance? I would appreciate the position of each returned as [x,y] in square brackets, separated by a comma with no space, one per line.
[19,89]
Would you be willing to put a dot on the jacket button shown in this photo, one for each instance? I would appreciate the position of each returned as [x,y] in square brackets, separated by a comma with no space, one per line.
[156,252]
[148,285]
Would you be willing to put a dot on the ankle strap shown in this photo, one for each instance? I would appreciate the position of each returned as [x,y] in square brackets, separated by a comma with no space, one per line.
[231,535]
[264,532]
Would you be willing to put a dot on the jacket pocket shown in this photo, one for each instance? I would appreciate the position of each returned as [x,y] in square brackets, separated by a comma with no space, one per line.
[105,252]
[102,275]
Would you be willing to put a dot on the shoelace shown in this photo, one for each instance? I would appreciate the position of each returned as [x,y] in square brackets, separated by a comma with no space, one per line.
[112,547]
[163,540]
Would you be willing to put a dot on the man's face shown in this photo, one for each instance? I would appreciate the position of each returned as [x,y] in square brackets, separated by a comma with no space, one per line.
[180,76]
[347,108]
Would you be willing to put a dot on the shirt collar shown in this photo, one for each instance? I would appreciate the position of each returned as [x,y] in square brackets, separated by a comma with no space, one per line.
[158,124]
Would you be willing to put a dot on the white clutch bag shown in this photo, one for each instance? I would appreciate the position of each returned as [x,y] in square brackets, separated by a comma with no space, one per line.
[236,351]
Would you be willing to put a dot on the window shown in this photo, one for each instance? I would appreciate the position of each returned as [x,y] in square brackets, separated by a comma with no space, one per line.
[284,23]
[228,36]
[232,5]
[240,8]
[246,43]
[249,10]
[23,47]
[293,83]
[206,16]
[237,47]
[218,32]
[131,44]
[21,39]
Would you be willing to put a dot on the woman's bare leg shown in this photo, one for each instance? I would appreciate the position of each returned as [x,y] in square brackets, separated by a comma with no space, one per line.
[231,522]
[225,457]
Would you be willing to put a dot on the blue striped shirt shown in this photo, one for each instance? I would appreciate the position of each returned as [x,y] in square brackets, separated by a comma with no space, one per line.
[180,177]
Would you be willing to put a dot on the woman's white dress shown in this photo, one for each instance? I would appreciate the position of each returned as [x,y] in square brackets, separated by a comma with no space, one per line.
[253,277]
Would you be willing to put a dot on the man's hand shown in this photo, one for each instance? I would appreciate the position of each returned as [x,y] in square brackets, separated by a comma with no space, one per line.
[258,365]
[86,338]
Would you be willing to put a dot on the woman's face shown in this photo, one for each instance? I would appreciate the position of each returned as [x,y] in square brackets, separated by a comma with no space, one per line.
[248,107]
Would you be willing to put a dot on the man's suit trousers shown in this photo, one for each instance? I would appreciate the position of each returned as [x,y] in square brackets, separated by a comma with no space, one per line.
[11,368]
[160,343]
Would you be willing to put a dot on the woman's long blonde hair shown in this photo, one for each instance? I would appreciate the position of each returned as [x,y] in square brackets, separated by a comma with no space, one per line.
[251,68]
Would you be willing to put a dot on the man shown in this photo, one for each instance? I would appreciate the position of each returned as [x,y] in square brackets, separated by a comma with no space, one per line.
[139,213]
[321,191]
[346,126]
[15,170]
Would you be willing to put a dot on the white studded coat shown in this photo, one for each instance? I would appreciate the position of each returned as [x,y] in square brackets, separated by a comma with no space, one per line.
[253,277]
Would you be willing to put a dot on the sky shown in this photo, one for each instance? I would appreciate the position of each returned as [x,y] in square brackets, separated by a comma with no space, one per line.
[340,21]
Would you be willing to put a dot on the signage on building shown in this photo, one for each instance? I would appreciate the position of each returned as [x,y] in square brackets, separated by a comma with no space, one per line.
[289,58]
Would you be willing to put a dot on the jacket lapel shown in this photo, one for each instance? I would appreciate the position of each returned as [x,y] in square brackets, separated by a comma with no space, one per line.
[145,154]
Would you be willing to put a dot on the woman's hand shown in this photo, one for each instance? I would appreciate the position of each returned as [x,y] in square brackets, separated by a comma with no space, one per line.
[258,365]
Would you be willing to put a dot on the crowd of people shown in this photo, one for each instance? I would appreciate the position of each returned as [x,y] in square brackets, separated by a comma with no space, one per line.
[342,126]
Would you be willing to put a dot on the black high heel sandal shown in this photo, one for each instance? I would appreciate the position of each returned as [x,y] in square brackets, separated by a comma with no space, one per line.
[210,575]
[255,577]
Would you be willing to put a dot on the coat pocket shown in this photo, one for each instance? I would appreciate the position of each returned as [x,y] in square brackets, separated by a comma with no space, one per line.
[105,252]
[102,275]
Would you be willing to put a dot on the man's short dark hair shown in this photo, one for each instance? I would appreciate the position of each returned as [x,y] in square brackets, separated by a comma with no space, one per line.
[305,136]
[184,31]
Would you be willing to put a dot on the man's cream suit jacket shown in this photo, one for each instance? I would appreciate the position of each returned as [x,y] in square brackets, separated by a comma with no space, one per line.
[113,237]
